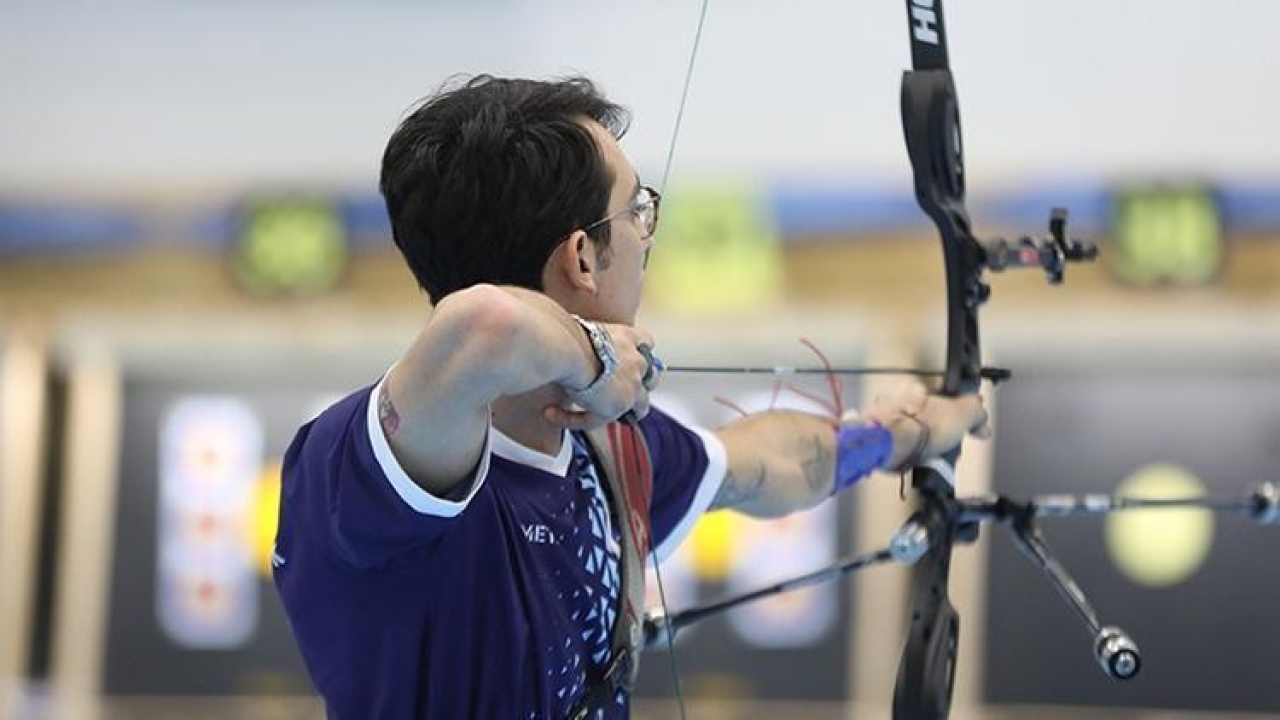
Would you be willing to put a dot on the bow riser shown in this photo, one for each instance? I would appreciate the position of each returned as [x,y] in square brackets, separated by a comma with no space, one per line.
[931,128]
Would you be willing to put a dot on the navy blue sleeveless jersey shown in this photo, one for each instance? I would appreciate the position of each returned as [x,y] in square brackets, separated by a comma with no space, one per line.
[496,605]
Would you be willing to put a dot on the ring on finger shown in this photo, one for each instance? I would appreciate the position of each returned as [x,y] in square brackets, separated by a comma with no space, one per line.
[652,373]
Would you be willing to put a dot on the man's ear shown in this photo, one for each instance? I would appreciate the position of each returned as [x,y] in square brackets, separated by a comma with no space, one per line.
[573,264]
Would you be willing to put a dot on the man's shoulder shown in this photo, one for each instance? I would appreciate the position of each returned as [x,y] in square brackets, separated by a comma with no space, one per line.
[340,415]
[330,428]
[660,418]
[660,429]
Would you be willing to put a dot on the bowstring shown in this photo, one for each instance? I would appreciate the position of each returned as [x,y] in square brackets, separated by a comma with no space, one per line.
[684,96]
[670,633]
[662,188]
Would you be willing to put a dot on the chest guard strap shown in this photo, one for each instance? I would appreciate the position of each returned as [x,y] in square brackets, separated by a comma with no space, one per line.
[621,457]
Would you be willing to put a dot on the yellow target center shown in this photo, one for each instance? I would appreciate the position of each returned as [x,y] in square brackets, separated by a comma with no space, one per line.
[1161,547]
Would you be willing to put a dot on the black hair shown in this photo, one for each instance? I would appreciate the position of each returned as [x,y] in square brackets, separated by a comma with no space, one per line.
[486,177]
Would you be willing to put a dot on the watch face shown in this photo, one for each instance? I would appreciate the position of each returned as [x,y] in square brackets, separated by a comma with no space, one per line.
[604,348]
[602,344]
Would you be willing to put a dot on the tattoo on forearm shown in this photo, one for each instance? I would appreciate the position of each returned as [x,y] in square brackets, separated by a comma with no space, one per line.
[818,468]
[387,414]
[737,490]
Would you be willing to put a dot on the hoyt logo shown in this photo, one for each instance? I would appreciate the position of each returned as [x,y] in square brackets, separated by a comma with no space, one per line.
[924,21]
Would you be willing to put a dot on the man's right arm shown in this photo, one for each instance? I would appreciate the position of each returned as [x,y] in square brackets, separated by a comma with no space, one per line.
[480,344]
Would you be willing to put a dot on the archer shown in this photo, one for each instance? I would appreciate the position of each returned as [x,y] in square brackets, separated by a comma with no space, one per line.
[460,538]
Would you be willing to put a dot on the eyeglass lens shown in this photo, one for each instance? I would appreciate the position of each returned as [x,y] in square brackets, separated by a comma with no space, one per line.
[647,211]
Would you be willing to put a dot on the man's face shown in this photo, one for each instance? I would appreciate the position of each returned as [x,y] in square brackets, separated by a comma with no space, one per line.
[621,277]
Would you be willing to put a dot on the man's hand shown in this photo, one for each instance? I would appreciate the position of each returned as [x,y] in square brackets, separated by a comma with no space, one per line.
[624,392]
[907,411]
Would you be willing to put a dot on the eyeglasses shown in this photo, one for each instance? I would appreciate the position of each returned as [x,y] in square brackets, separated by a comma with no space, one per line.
[644,208]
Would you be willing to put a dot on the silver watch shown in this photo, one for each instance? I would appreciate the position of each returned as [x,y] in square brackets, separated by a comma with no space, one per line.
[603,346]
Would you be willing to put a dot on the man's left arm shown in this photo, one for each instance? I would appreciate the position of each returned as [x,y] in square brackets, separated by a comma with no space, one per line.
[781,461]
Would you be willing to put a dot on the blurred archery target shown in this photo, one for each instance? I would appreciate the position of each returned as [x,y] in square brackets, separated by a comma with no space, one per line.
[1159,548]
[210,459]
[776,550]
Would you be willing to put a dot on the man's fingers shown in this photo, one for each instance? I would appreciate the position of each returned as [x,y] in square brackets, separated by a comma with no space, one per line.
[637,411]
[586,420]
[572,419]
[979,418]
[643,337]
[632,336]
[641,410]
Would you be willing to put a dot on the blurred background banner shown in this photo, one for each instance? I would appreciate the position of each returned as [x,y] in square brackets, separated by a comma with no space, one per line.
[194,260]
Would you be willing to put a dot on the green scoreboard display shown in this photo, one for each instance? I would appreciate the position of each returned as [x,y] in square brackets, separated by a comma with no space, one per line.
[1166,235]
[289,246]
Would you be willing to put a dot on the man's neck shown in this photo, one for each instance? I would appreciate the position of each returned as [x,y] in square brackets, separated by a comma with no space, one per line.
[520,418]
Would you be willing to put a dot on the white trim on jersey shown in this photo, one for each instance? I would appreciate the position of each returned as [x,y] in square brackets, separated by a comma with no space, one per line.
[708,486]
[557,465]
[410,492]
